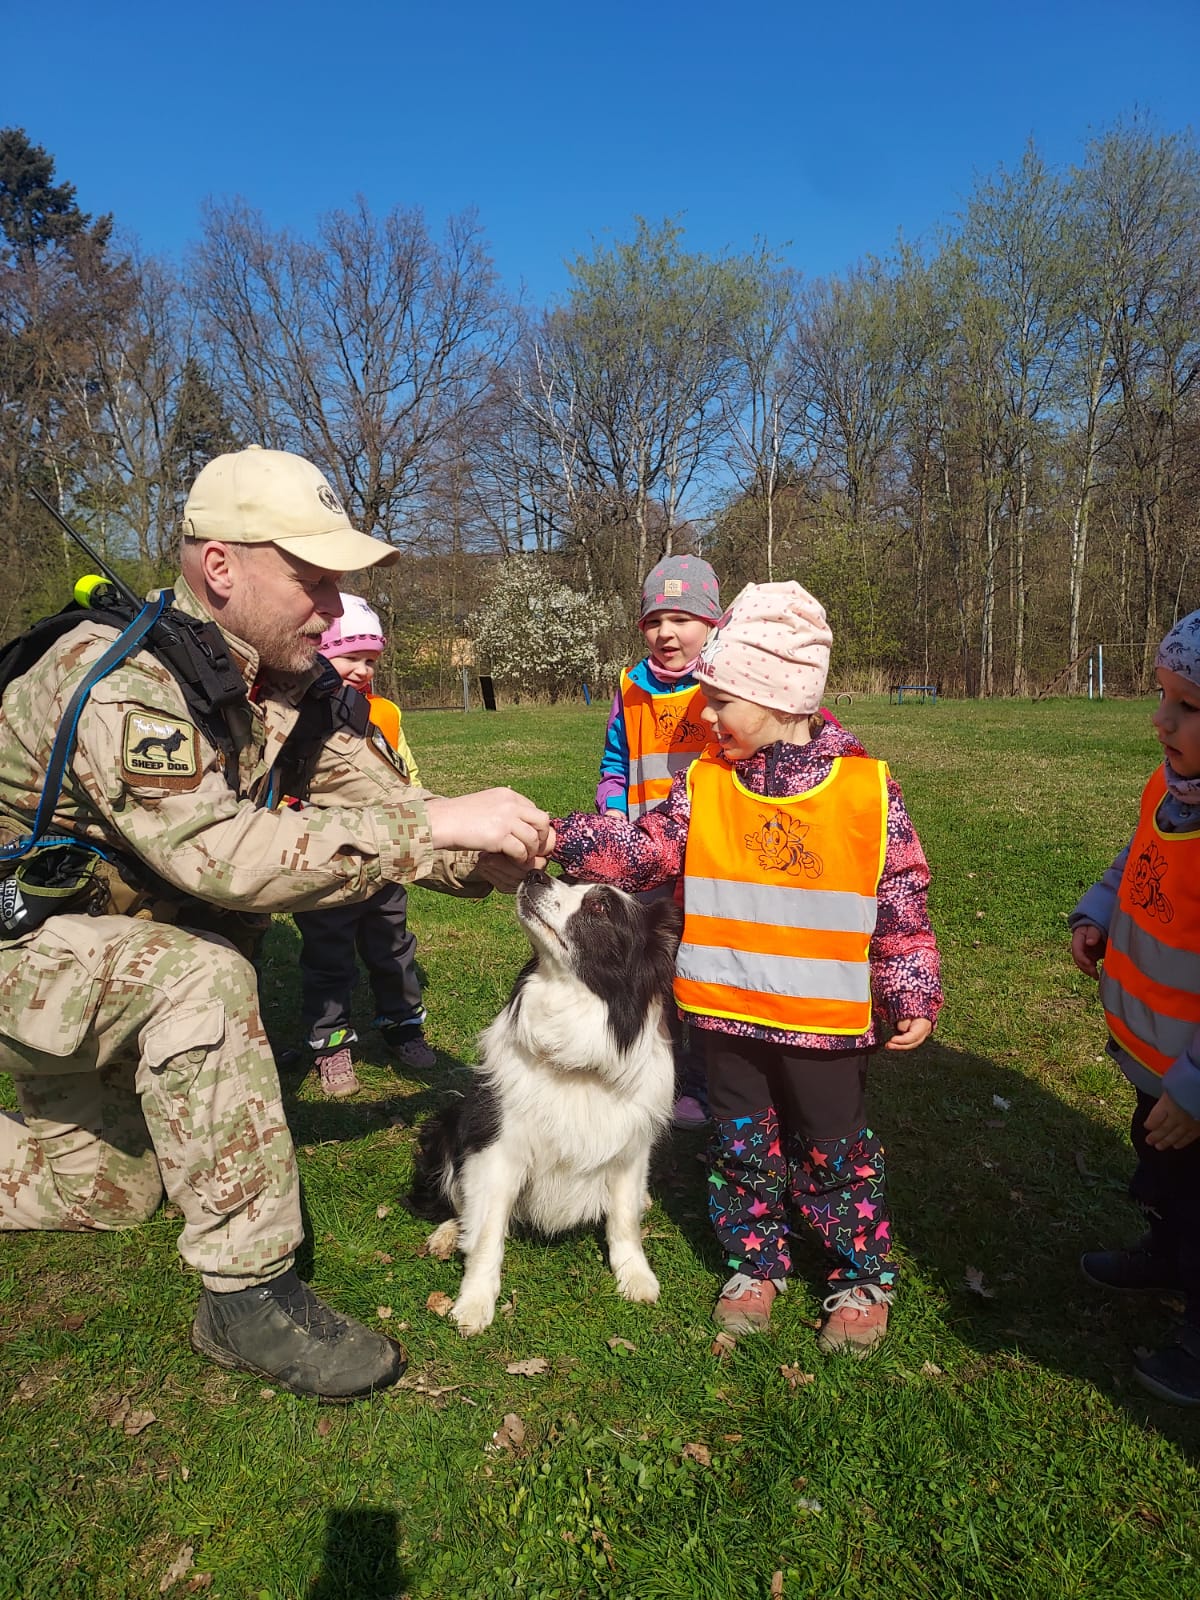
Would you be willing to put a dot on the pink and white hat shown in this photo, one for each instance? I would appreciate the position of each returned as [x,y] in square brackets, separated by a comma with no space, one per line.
[358,628]
[771,648]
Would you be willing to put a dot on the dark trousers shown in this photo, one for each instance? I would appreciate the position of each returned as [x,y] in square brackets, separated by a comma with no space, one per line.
[375,929]
[790,1141]
[1166,1184]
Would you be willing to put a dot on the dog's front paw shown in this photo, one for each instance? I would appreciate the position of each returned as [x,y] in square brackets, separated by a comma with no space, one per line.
[635,1281]
[443,1241]
[472,1315]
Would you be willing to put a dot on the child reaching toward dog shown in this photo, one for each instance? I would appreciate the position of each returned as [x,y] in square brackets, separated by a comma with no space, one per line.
[804,920]
[376,928]
[1142,921]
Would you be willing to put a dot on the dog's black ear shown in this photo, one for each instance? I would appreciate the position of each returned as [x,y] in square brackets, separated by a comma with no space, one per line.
[664,924]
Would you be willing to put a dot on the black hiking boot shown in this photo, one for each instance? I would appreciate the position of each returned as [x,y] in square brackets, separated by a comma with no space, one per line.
[1173,1373]
[1141,1269]
[283,1332]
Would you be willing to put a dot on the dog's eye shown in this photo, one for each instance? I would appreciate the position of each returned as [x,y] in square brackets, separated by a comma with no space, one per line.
[596,906]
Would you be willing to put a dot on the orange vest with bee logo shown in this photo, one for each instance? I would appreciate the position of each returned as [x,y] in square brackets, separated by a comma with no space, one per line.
[779,898]
[1150,980]
[665,736]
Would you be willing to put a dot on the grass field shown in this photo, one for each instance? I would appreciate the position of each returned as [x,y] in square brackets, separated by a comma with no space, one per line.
[995,1446]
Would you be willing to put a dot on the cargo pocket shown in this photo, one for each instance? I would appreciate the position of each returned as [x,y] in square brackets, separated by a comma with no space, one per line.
[202,1110]
[48,1003]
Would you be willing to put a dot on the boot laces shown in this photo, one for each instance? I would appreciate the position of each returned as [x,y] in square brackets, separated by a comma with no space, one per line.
[859,1297]
[304,1308]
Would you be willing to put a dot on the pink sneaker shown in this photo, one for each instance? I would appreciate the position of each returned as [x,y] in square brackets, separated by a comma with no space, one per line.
[689,1113]
[337,1072]
[745,1303]
[855,1319]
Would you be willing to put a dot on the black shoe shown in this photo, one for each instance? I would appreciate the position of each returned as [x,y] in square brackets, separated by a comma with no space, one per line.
[1173,1373]
[1139,1270]
[282,1331]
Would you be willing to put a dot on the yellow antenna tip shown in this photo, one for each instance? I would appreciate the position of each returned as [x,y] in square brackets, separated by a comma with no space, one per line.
[86,588]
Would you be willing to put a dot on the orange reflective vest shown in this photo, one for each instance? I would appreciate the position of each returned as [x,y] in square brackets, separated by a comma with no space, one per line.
[665,736]
[385,714]
[1150,980]
[779,898]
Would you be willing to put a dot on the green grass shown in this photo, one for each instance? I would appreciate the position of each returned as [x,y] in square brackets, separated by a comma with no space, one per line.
[993,1447]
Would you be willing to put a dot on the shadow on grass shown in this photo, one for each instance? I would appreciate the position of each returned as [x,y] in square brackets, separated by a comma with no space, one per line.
[359,1560]
[993,1173]
[990,1170]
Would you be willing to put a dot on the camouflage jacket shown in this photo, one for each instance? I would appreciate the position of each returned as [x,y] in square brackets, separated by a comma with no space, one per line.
[143,782]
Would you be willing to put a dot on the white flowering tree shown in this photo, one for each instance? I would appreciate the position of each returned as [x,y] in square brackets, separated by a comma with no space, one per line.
[537,635]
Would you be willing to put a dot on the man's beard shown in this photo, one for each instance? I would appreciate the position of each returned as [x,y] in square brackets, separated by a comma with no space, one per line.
[283,649]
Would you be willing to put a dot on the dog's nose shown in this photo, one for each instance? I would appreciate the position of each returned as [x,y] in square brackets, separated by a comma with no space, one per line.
[537,876]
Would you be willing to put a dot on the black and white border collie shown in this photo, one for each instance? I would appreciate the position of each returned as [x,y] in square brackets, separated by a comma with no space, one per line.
[573,1087]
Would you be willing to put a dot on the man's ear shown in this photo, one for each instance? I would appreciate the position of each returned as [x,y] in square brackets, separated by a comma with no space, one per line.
[217,563]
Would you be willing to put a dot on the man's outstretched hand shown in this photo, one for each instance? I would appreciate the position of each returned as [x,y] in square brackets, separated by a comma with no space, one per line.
[496,821]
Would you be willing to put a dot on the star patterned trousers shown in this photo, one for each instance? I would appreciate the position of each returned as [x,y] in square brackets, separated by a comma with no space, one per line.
[791,1149]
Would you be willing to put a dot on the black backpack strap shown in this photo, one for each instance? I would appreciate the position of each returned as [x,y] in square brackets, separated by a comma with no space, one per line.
[122,646]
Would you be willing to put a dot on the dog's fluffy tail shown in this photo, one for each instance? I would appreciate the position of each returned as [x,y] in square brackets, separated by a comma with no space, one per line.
[434,1166]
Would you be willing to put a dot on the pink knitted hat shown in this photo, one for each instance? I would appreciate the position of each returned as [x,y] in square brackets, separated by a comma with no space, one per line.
[358,628]
[772,648]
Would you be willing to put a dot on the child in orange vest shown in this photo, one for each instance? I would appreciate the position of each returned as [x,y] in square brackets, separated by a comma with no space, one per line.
[376,928]
[1142,920]
[804,922]
[654,728]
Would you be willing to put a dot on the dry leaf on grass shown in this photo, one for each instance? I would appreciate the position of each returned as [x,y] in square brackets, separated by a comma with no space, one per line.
[930,1369]
[384,1312]
[797,1379]
[973,1279]
[324,1427]
[806,1504]
[266,1394]
[509,1306]
[383,1258]
[532,1367]
[777,1586]
[510,1435]
[617,1343]
[73,1321]
[131,1422]
[383,1211]
[439,1303]
[722,1345]
[198,1581]
[420,1384]
[699,1453]
[179,1568]
[1000,1103]
[31,1386]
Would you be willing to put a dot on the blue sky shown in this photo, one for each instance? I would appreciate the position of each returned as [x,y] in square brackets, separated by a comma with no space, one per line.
[823,128]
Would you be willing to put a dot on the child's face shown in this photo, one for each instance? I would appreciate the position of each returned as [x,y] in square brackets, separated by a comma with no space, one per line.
[356,669]
[674,637]
[740,727]
[1177,722]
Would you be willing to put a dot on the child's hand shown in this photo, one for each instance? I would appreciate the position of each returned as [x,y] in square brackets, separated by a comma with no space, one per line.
[910,1032]
[1087,947]
[1169,1127]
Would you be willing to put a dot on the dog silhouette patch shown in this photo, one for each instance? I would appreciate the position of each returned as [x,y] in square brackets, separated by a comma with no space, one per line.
[161,751]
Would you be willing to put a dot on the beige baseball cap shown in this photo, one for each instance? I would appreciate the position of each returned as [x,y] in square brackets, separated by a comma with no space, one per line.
[258,496]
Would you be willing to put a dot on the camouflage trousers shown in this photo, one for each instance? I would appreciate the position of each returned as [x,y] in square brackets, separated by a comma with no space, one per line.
[141,1065]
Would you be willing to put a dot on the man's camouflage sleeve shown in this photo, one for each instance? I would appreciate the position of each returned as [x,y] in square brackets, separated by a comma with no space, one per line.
[142,776]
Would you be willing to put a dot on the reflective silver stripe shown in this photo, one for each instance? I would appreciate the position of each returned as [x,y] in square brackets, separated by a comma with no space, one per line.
[1166,964]
[1170,1036]
[798,976]
[778,905]
[660,764]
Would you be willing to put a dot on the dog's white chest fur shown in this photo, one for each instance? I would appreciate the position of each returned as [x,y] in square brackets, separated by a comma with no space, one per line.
[574,1085]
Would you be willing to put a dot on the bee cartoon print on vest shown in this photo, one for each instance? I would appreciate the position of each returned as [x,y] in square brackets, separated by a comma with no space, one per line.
[780,846]
[1146,885]
[692,731]
[666,721]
